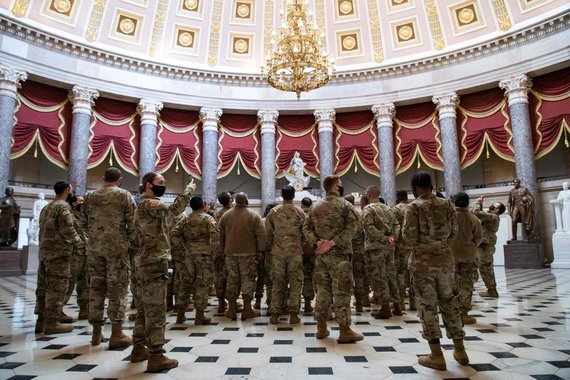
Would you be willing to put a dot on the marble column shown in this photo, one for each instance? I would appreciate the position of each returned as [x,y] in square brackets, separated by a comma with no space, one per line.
[325,120]
[446,107]
[9,83]
[267,121]
[210,117]
[148,111]
[384,113]
[82,99]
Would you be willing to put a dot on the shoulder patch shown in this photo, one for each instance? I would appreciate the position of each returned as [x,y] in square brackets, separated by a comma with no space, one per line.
[65,212]
[154,202]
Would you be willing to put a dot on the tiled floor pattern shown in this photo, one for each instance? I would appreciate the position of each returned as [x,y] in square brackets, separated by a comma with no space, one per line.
[522,335]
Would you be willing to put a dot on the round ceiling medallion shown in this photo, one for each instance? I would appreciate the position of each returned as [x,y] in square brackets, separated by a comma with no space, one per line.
[127,26]
[405,32]
[345,7]
[398,1]
[243,10]
[241,45]
[466,15]
[348,43]
[185,39]
[191,4]
[62,6]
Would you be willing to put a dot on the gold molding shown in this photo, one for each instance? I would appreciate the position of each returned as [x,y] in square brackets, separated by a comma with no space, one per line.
[434,24]
[215,33]
[502,15]
[95,20]
[375,28]
[268,27]
[20,7]
[158,29]
[320,18]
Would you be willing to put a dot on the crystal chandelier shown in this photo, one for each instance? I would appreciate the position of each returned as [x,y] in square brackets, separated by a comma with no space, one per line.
[299,62]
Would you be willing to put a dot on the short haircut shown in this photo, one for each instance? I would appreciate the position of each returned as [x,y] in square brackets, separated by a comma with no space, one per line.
[502,208]
[73,199]
[224,198]
[373,191]
[422,180]
[148,178]
[288,192]
[307,202]
[350,198]
[196,203]
[401,195]
[268,208]
[112,174]
[60,187]
[241,199]
[329,182]
[461,199]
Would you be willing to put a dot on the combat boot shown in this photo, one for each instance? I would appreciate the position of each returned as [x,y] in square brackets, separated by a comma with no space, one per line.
[294,319]
[231,312]
[308,307]
[274,318]
[83,312]
[459,353]
[54,327]
[40,324]
[397,309]
[221,305]
[413,304]
[159,362]
[383,313]
[491,293]
[347,335]
[97,336]
[322,330]
[239,306]
[435,359]
[467,319]
[358,305]
[248,312]
[181,314]
[366,301]
[139,354]
[201,318]
[64,318]
[257,304]
[118,338]
[212,291]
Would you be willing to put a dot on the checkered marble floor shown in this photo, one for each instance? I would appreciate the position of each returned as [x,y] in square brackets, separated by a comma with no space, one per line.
[522,335]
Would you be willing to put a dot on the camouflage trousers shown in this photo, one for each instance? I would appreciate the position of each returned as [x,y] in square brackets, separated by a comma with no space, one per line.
[308,283]
[435,286]
[264,278]
[132,277]
[53,283]
[181,284]
[401,258]
[151,309]
[286,270]
[79,280]
[221,275]
[200,276]
[464,273]
[242,271]
[359,268]
[485,254]
[333,279]
[382,275]
[108,277]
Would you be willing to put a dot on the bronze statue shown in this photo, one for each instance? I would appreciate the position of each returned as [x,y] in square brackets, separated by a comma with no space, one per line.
[9,219]
[521,209]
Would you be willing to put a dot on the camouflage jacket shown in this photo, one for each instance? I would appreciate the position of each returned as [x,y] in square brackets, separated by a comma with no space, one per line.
[284,230]
[490,224]
[218,215]
[57,233]
[107,220]
[399,213]
[358,238]
[79,248]
[468,236]
[151,227]
[332,218]
[241,232]
[379,224]
[195,234]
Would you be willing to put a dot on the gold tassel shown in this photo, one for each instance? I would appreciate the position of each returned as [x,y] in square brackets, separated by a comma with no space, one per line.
[36,148]
[565,138]
[487,146]
[110,158]
[238,172]
[176,159]
[419,163]
[355,166]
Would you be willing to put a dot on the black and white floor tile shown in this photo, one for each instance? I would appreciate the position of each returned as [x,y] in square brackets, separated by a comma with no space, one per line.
[522,335]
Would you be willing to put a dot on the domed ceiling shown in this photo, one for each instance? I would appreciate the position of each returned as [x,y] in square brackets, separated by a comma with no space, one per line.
[234,36]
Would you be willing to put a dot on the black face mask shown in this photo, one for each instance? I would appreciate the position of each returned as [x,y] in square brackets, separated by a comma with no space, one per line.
[491,208]
[158,190]
[68,199]
[340,190]
[77,208]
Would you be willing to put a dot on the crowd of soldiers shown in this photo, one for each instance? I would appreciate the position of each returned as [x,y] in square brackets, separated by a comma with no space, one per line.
[431,248]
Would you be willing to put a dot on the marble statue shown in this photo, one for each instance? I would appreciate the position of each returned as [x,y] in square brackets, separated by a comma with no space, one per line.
[296,173]
[34,228]
[562,210]
[9,219]
[521,209]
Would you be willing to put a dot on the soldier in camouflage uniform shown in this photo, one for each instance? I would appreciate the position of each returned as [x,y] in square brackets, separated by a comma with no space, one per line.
[151,264]
[79,274]
[429,224]
[308,263]
[107,220]
[284,231]
[490,222]
[196,239]
[329,228]
[242,240]
[380,231]
[402,252]
[264,279]
[220,273]
[464,249]
[359,262]
[57,239]
[178,286]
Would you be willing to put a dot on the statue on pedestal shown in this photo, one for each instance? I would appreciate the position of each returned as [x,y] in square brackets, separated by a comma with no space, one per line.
[296,173]
[521,209]
[9,219]
[34,228]
[562,210]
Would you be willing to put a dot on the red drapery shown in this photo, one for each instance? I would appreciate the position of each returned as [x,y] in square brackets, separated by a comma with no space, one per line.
[115,130]
[483,122]
[178,141]
[238,143]
[417,133]
[549,104]
[297,133]
[42,118]
[356,138]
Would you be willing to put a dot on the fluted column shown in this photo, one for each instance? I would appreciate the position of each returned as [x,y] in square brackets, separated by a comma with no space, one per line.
[82,99]
[210,117]
[267,120]
[446,106]
[325,120]
[148,111]
[9,83]
[384,113]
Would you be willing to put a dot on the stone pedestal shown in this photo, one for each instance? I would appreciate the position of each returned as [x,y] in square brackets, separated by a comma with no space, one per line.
[29,260]
[561,250]
[520,254]
[10,262]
